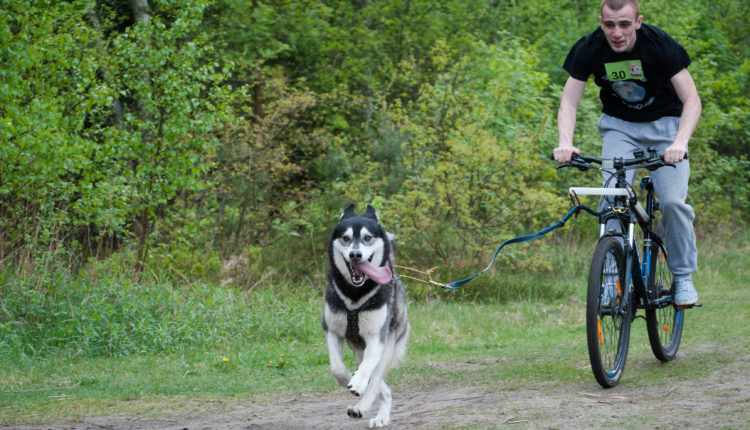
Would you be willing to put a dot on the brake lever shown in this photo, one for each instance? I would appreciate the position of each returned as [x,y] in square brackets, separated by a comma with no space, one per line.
[581,165]
[577,163]
[659,162]
[653,165]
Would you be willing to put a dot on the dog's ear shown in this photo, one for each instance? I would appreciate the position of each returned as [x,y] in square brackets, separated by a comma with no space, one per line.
[370,213]
[348,212]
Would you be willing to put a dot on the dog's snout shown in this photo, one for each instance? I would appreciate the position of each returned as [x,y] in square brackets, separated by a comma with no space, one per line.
[355,255]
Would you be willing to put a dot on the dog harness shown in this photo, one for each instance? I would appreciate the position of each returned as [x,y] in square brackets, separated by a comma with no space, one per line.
[352,325]
[352,316]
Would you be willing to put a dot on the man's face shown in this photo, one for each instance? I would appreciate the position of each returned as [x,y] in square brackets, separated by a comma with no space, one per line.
[619,27]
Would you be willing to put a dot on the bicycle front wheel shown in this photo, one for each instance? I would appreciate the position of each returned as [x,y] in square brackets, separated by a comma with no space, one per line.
[608,314]
[665,324]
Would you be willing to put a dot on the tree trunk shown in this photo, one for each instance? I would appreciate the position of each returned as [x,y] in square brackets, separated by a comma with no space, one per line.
[257,88]
[141,16]
[240,223]
[140,11]
[142,231]
[219,220]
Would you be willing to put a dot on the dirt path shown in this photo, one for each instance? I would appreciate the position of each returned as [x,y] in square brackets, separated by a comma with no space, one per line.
[719,399]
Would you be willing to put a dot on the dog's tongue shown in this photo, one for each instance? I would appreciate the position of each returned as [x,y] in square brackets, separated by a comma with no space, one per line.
[381,275]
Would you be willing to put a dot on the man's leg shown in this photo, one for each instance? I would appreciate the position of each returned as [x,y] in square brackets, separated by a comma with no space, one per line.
[671,186]
[620,138]
[617,141]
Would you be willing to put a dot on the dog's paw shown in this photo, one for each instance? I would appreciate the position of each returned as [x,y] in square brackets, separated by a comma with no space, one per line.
[379,422]
[357,384]
[354,412]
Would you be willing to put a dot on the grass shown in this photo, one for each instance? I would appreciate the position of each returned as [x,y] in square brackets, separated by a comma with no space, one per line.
[241,346]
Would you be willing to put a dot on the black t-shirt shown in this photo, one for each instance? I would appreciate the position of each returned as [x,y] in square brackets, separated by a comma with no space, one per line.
[635,86]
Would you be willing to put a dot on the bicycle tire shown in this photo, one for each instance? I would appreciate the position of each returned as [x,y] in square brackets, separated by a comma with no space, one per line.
[608,324]
[665,324]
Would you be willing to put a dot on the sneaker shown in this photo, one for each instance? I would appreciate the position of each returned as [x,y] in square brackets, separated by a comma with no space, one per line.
[685,293]
[609,293]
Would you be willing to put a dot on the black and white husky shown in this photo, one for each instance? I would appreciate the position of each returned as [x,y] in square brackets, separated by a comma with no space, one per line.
[365,304]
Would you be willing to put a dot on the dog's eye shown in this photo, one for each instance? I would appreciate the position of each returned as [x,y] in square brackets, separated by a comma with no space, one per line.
[346,238]
[368,238]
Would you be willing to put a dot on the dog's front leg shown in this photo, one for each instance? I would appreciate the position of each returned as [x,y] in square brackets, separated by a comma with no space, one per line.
[376,387]
[370,325]
[336,359]
[358,383]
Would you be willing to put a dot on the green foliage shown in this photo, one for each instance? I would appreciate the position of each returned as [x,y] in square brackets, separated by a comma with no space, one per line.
[241,128]
[465,157]
[249,45]
[183,264]
[719,149]
[266,165]
[48,86]
[178,101]
[100,129]
[42,315]
[719,69]
[723,184]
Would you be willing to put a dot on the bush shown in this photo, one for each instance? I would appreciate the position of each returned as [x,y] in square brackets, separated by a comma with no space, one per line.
[44,315]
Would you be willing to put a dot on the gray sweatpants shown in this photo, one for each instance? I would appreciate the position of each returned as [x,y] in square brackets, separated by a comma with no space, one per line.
[620,138]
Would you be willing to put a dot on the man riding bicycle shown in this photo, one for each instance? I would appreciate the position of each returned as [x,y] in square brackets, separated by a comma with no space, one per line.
[649,100]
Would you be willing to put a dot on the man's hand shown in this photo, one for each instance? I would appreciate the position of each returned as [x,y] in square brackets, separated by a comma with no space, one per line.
[675,153]
[563,154]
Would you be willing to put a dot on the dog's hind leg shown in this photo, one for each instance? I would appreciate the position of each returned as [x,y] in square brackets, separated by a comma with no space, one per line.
[383,418]
[394,353]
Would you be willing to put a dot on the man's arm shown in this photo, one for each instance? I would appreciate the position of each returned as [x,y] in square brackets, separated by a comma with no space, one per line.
[691,111]
[566,119]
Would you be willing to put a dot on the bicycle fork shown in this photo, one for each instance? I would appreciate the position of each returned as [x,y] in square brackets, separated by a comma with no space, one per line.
[632,266]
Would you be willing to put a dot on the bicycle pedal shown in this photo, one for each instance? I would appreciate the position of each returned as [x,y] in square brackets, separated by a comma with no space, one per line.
[694,305]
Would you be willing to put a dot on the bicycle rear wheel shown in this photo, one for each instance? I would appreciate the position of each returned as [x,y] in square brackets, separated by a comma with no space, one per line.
[665,324]
[608,315]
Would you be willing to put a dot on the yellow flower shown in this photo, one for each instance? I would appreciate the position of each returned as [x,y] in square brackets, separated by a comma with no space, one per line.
[225,359]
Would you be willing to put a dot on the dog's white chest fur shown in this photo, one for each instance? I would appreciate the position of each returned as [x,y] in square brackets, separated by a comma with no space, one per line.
[371,322]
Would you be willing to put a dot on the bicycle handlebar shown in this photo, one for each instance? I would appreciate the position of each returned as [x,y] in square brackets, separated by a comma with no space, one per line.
[652,161]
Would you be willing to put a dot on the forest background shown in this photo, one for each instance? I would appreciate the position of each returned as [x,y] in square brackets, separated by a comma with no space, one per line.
[175,142]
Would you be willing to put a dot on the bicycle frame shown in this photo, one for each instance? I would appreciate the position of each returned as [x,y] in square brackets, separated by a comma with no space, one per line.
[628,212]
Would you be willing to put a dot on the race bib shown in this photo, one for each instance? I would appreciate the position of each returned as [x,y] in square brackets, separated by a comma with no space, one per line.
[624,70]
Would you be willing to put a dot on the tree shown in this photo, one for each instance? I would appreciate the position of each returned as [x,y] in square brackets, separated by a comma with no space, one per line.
[175,100]
[48,90]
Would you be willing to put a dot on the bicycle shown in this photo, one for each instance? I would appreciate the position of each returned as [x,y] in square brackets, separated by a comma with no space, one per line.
[619,281]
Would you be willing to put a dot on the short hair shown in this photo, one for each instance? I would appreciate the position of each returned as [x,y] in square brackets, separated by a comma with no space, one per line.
[619,4]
